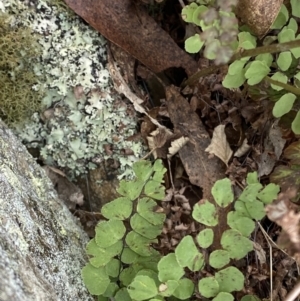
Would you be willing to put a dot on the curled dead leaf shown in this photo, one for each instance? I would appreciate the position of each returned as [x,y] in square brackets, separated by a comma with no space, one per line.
[243,149]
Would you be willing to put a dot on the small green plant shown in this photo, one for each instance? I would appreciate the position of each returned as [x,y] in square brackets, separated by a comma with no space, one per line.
[249,67]
[124,265]
[218,29]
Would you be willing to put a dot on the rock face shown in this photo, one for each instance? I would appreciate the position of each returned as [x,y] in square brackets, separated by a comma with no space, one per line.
[42,246]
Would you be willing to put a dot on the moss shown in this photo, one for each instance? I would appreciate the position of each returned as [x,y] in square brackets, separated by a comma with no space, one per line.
[18,50]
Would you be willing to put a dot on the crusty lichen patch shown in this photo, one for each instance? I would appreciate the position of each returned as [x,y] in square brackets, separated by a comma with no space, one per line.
[83,120]
[41,243]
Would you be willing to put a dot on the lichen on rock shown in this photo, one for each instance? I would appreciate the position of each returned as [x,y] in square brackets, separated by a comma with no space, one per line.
[83,121]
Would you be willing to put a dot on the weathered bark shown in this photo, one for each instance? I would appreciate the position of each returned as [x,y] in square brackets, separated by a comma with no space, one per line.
[41,244]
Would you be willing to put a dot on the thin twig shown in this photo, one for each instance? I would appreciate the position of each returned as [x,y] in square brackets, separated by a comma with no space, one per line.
[273,48]
[294,293]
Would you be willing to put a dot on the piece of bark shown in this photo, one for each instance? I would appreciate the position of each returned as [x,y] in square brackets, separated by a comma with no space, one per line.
[202,170]
[42,246]
[128,25]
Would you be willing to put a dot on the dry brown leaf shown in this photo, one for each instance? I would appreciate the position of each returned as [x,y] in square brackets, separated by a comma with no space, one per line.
[259,15]
[275,136]
[128,25]
[219,145]
[158,142]
[284,213]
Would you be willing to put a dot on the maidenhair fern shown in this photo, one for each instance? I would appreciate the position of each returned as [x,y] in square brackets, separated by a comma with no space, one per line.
[123,264]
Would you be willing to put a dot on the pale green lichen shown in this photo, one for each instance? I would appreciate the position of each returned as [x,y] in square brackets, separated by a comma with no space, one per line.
[83,120]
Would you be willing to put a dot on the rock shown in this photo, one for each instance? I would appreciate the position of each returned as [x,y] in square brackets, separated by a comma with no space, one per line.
[42,246]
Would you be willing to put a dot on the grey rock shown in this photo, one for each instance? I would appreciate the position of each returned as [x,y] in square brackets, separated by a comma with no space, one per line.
[42,246]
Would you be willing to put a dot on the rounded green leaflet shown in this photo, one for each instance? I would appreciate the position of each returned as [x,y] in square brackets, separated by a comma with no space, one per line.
[197,14]
[223,297]
[245,36]
[295,8]
[131,189]
[250,192]
[169,269]
[240,207]
[219,258]
[128,256]
[187,12]
[296,51]
[113,268]
[143,170]
[185,289]
[193,44]
[109,232]
[234,81]
[252,178]
[155,190]
[159,171]
[102,256]
[222,192]
[149,262]
[111,290]
[281,18]
[296,124]
[167,289]
[187,253]
[95,279]
[265,57]
[127,275]
[256,209]
[230,279]
[236,67]
[208,287]
[146,207]
[280,77]
[256,72]
[119,208]
[286,35]
[143,227]
[237,245]
[240,223]
[122,295]
[142,288]
[139,244]
[151,274]
[269,193]
[293,25]
[205,238]
[205,213]
[284,60]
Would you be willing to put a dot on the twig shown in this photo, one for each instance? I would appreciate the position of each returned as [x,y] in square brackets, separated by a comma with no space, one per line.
[267,237]
[273,48]
[181,3]
[283,85]
[294,293]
